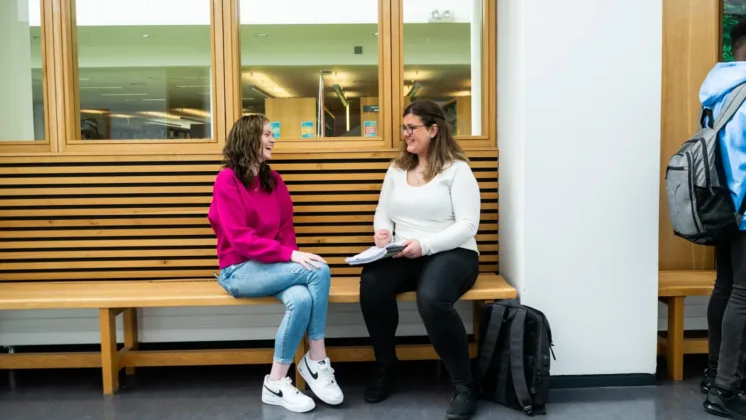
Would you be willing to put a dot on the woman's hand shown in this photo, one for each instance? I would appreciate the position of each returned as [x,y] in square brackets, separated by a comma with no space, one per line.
[412,249]
[382,238]
[306,259]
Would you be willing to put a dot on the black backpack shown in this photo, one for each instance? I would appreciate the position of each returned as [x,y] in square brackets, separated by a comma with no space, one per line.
[513,361]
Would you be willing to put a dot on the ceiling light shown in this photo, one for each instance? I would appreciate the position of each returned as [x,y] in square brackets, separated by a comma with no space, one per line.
[145,36]
[413,91]
[160,115]
[261,92]
[375,33]
[340,94]
[261,35]
[152,99]
[100,87]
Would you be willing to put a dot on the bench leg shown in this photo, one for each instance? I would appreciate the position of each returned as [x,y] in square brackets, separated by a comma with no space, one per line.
[477,309]
[675,348]
[130,333]
[300,383]
[109,354]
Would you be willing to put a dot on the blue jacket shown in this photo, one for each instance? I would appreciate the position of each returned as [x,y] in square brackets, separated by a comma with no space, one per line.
[720,82]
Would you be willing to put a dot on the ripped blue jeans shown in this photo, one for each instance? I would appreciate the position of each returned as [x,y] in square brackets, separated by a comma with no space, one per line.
[305,295]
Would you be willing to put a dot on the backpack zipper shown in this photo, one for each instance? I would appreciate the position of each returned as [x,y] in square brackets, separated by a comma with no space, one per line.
[707,161]
[691,192]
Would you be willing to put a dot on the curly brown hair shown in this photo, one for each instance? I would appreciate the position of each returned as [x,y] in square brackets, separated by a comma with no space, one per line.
[443,147]
[243,149]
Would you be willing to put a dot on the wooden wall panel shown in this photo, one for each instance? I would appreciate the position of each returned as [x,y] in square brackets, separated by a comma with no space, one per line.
[125,217]
[690,50]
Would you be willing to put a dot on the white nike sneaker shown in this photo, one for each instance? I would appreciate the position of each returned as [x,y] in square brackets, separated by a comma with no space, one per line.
[320,377]
[284,394]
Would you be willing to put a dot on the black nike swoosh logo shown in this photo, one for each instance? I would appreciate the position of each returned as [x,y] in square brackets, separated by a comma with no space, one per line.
[278,393]
[313,375]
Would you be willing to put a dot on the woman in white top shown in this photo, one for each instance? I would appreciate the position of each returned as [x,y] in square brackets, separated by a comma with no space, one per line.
[430,202]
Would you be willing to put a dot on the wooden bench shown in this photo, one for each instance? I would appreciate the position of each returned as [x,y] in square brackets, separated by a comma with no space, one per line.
[674,286]
[114,298]
[120,233]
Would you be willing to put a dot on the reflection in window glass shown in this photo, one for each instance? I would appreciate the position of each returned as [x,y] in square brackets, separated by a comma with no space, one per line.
[22,104]
[443,59]
[311,67]
[144,69]
[733,12]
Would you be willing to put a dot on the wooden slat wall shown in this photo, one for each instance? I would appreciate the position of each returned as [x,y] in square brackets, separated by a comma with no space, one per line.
[110,218]
[691,30]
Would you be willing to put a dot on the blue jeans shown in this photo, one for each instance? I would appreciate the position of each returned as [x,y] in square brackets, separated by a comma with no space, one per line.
[305,295]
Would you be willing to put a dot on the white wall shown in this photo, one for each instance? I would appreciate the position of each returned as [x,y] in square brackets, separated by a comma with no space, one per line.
[582,240]
[510,132]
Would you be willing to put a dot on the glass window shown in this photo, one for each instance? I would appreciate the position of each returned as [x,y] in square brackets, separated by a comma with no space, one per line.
[733,12]
[311,66]
[144,69]
[22,102]
[443,59]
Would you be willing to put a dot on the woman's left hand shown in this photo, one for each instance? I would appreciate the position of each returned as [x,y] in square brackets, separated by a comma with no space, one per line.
[412,249]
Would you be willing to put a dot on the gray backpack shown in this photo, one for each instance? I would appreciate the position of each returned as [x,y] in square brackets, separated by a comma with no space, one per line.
[699,202]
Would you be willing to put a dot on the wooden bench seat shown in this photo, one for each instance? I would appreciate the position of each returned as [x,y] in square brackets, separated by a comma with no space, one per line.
[674,286]
[185,293]
[125,297]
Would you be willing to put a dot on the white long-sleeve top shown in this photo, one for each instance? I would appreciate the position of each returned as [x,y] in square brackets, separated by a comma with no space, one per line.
[442,214]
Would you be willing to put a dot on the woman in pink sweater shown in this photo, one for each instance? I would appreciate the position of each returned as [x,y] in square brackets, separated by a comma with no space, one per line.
[252,216]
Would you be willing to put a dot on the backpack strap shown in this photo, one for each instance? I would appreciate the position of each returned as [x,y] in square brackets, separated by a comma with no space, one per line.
[731,106]
[490,341]
[517,370]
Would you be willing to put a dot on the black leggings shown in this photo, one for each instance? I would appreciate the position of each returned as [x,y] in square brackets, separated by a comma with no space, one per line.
[726,313]
[440,280]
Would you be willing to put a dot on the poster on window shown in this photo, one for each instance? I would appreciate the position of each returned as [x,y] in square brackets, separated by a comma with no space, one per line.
[370,128]
[306,129]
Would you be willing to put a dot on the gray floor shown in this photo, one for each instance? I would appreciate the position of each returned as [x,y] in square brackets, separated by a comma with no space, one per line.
[234,393]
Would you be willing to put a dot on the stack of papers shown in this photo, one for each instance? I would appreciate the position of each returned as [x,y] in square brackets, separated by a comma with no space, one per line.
[374,253]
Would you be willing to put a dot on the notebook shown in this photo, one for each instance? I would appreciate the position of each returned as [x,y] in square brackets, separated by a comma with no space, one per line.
[375,253]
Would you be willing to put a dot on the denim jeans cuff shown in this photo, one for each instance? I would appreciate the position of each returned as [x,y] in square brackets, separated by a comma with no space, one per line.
[283,361]
[316,337]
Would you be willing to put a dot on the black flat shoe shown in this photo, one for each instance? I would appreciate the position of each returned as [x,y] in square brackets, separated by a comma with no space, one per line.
[381,384]
[730,404]
[463,403]
[707,380]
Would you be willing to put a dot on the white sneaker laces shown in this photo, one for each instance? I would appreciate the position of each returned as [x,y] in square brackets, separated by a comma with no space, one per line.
[326,372]
[286,384]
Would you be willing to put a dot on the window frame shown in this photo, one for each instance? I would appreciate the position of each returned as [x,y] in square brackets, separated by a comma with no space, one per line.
[488,138]
[47,25]
[381,142]
[71,93]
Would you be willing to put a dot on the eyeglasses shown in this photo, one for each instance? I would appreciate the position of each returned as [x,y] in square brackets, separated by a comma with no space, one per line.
[409,129]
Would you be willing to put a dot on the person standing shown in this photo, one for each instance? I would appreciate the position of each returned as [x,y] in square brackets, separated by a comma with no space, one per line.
[726,312]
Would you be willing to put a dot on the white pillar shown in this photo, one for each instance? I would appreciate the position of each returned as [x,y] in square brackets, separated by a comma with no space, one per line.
[16,100]
[476,67]
[579,138]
